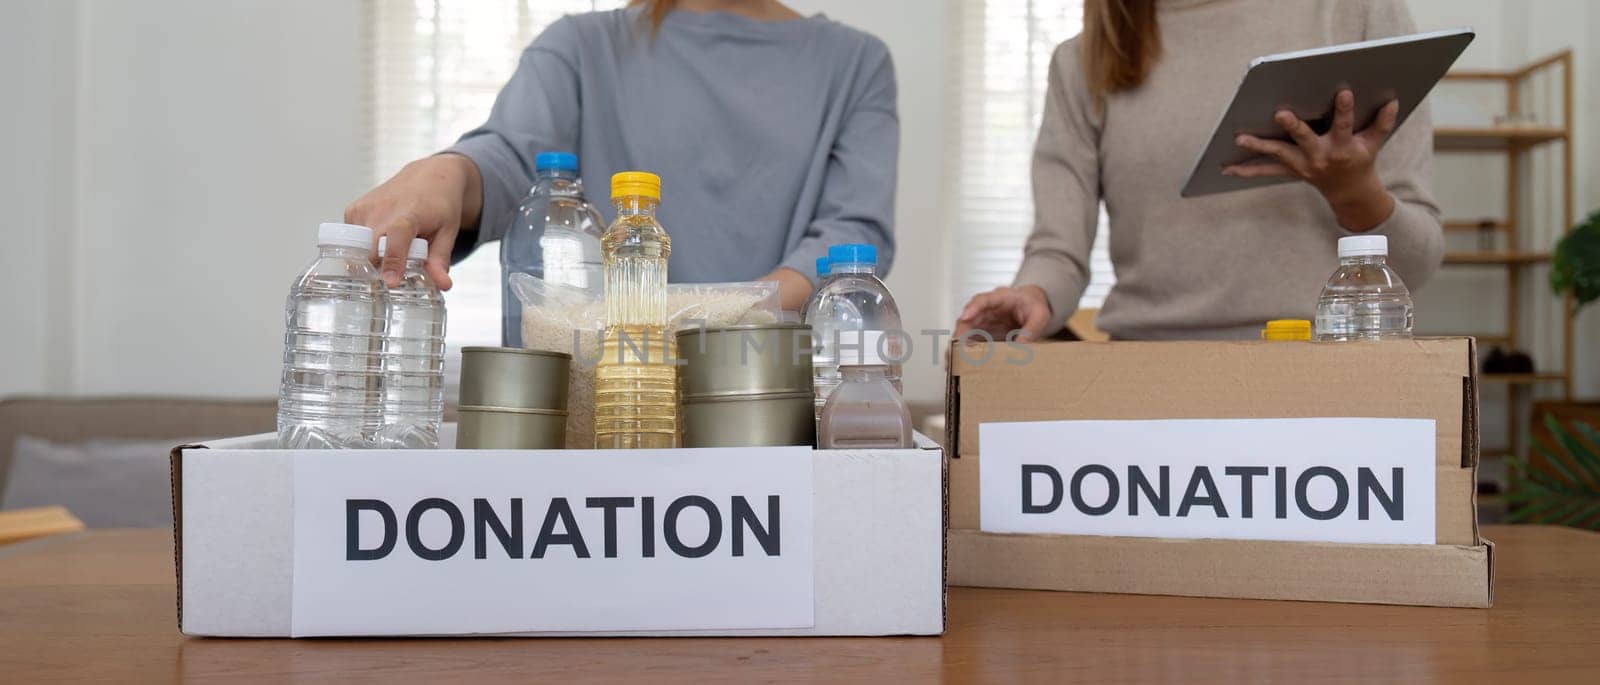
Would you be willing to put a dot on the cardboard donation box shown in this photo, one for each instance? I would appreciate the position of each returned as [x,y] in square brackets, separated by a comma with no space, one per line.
[1342,472]
[691,542]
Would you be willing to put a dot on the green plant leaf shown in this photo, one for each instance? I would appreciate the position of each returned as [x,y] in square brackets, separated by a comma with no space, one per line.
[1582,515]
[1567,492]
[1557,510]
[1585,457]
[1535,510]
[1588,433]
[1587,461]
[1575,263]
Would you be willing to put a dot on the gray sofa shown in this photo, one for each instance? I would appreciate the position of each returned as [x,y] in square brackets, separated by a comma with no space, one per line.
[79,419]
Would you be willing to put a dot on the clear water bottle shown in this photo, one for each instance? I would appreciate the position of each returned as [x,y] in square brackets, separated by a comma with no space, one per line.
[555,236]
[855,321]
[823,271]
[332,378]
[1365,299]
[413,357]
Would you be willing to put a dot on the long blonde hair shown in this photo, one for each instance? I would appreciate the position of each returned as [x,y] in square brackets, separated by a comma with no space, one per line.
[655,11]
[1120,44]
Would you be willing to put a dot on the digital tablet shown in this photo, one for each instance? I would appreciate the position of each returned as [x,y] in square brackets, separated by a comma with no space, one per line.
[1306,81]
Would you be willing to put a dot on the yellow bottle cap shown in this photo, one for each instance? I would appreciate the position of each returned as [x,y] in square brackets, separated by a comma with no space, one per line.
[636,183]
[1287,329]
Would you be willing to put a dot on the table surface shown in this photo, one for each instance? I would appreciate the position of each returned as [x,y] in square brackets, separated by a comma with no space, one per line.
[100,605]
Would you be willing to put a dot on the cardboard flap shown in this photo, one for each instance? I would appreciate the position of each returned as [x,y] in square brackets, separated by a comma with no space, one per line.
[1469,408]
[175,460]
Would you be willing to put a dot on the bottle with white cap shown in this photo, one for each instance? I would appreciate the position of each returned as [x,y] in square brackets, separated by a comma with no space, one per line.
[330,393]
[412,356]
[1365,299]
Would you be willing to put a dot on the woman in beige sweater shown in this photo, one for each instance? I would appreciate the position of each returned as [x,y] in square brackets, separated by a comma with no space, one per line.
[1129,102]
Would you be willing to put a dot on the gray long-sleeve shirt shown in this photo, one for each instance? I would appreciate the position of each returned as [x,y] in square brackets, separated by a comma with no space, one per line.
[773,140]
[1217,266]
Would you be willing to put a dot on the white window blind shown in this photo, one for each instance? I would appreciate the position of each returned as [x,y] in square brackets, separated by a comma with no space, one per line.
[1003,59]
[436,66]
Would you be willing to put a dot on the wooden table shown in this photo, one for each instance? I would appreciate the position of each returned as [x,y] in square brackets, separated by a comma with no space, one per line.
[99,605]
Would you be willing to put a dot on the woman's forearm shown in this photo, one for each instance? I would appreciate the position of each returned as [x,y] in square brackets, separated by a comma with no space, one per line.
[1362,205]
[793,287]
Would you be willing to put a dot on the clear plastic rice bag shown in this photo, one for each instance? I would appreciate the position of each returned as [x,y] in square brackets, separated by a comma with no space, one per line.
[560,318]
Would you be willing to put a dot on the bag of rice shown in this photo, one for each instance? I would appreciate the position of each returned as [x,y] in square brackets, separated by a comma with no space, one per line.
[559,318]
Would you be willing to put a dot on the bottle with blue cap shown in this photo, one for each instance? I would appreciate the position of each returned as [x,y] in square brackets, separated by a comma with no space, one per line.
[554,236]
[822,279]
[855,320]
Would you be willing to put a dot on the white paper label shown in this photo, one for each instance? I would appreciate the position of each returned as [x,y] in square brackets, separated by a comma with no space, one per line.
[1361,480]
[425,542]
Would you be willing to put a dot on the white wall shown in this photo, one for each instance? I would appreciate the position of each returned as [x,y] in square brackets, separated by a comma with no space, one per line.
[37,130]
[174,171]
[1511,34]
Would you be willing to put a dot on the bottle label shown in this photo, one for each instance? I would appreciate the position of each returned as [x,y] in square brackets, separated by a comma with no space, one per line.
[863,348]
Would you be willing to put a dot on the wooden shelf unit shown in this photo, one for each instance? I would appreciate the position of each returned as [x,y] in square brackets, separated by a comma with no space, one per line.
[1522,378]
[1514,141]
[1497,257]
[1494,137]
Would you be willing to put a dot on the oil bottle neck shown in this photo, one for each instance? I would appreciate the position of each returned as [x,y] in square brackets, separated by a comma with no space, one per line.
[634,205]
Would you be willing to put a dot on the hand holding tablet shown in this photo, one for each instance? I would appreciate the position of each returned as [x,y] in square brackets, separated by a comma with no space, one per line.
[1341,163]
[1342,102]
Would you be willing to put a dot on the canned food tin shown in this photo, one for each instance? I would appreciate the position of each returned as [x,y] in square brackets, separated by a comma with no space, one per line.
[757,420]
[487,428]
[516,379]
[743,360]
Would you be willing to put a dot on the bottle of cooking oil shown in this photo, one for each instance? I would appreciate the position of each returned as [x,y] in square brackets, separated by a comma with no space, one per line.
[636,383]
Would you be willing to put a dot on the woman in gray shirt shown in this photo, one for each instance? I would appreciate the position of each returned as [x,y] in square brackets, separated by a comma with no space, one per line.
[775,136]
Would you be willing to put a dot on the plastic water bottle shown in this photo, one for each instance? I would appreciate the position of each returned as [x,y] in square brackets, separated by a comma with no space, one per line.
[413,357]
[332,378]
[555,236]
[855,321]
[823,271]
[1365,299]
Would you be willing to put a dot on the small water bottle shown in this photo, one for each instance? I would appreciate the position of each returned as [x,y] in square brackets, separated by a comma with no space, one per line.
[823,271]
[329,397]
[1365,299]
[555,236]
[855,321]
[413,357]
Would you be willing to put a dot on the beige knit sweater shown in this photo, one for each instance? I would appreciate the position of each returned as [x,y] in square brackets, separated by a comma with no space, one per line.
[1217,266]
